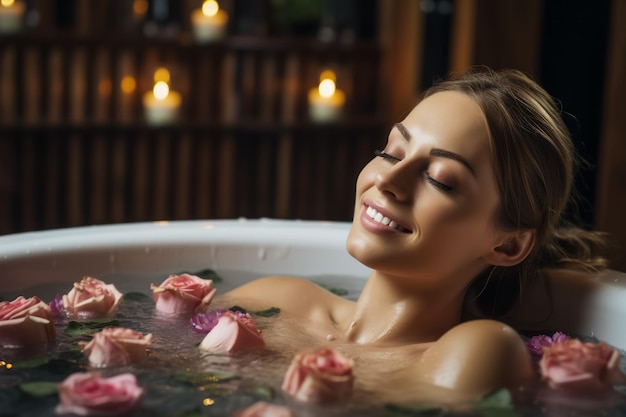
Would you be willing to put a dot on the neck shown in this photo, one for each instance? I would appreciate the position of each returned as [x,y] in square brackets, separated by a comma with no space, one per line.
[389,311]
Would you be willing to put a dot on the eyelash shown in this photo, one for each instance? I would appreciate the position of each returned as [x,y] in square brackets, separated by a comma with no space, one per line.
[443,187]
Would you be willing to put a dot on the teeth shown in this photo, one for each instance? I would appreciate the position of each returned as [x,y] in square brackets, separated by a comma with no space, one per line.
[375,215]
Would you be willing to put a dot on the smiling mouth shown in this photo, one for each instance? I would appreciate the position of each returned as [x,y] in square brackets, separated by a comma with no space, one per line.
[378,217]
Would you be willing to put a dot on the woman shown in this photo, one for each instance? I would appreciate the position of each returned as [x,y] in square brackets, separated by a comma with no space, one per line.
[467,192]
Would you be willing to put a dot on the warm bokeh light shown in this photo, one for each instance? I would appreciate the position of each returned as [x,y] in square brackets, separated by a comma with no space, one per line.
[161,90]
[104,87]
[210,7]
[162,74]
[208,401]
[128,84]
[328,74]
[7,3]
[140,6]
[327,88]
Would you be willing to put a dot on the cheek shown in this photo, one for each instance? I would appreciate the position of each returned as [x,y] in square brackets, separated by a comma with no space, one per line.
[366,177]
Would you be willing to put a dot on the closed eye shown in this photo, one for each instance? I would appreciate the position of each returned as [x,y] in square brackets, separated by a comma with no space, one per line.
[385,155]
[440,185]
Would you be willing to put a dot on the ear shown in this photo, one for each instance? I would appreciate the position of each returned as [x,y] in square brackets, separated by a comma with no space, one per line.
[513,248]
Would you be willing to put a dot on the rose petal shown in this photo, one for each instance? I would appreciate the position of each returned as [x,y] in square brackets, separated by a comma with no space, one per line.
[232,334]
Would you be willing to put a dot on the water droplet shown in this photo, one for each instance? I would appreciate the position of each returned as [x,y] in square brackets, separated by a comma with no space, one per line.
[262,254]
[146,250]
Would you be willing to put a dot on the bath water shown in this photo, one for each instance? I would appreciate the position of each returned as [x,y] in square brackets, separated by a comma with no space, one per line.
[181,380]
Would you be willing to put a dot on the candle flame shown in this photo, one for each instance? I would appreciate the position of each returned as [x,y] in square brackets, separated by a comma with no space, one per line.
[210,7]
[7,3]
[128,84]
[140,7]
[161,90]
[327,88]
[328,74]
[162,74]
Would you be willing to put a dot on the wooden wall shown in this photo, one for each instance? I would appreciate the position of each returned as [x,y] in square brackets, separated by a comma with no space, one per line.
[75,149]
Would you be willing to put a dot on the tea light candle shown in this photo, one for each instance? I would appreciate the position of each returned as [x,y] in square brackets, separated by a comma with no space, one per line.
[326,101]
[11,15]
[209,22]
[161,106]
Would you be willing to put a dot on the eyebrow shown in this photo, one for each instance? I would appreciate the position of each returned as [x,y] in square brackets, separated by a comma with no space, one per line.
[436,151]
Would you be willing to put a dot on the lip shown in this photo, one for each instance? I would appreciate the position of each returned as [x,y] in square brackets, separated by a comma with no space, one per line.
[377,227]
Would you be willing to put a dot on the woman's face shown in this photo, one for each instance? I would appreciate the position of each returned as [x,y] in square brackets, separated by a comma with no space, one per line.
[426,206]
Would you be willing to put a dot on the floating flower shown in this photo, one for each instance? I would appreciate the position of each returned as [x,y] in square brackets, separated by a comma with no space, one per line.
[205,322]
[88,394]
[536,344]
[265,409]
[320,376]
[116,346]
[573,365]
[183,294]
[25,321]
[233,333]
[92,297]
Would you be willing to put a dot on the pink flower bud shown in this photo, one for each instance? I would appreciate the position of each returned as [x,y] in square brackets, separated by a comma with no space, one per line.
[321,376]
[25,321]
[92,298]
[581,367]
[88,394]
[116,346]
[183,294]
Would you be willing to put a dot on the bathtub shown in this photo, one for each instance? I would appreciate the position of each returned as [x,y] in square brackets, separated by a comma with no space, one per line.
[578,303]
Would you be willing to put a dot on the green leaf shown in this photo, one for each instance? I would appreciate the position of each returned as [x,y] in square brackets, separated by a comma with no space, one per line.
[39,389]
[85,328]
[33,363]
[267,313]
[202,378]
[136,296]
[205,274]
[195,412]
[337,291]
[239,309]
[272,311]
[412,410]
[263,391]
[496,404]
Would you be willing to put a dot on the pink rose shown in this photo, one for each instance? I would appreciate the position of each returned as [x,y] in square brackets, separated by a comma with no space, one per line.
[233,333]
[25,321]
[88,394]
[264,409]
[183,294]
[116,346]
[321,376]
[573,365]
[92,298]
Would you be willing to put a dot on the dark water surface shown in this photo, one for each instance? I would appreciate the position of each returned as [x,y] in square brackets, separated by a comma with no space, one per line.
[181,380]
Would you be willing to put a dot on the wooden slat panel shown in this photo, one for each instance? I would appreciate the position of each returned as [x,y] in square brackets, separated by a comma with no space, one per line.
[52,174]
[611,200]
[141,178]
[8,59]
[8,182]
[183,168]
[99,183]
[75,181]
[119,181]
[28,184]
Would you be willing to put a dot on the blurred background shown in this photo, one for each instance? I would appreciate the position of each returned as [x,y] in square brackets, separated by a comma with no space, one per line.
[144,110]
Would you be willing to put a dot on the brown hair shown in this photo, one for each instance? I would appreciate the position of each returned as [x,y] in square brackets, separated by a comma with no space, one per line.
[534,162]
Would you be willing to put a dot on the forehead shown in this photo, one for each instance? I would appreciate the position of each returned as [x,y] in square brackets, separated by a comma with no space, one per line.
[450,120]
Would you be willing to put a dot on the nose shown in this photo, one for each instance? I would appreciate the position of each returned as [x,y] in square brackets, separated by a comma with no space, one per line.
[397,181]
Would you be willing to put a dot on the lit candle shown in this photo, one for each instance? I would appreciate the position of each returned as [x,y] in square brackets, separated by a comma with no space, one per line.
[326,101]
[11,15]
[209,22]
[161,105]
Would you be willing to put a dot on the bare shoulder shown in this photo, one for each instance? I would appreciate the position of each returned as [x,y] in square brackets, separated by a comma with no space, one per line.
[477,357]
[291,294]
